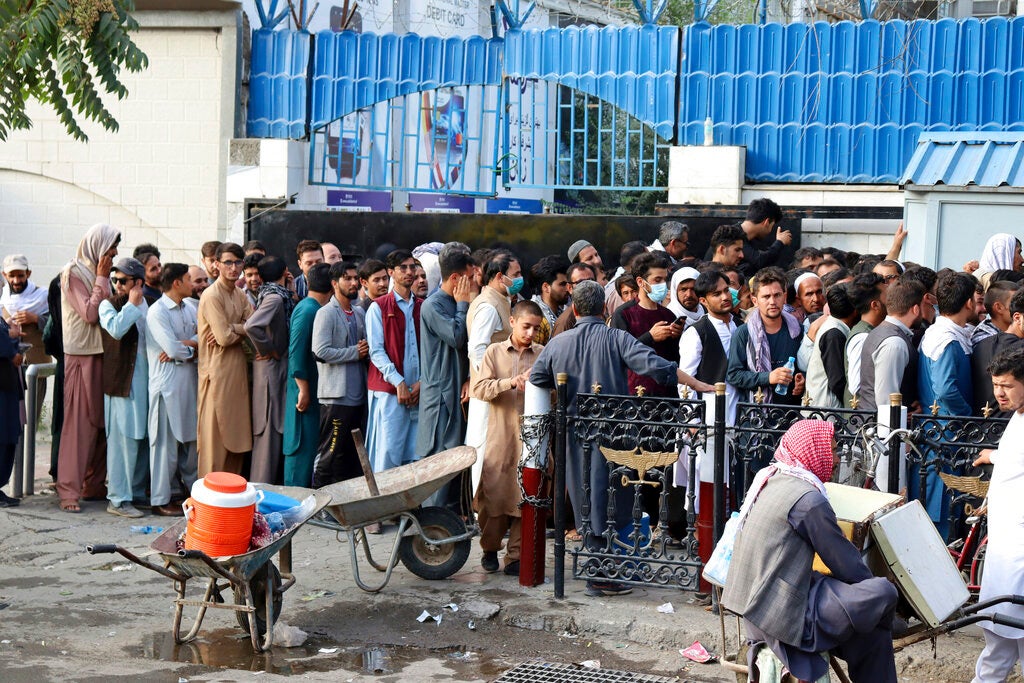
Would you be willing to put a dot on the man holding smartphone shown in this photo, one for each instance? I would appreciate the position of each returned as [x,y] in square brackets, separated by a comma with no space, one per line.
[648,320]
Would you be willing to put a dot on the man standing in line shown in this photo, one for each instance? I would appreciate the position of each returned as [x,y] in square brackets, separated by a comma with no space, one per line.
[944,377]
[251,277]
[309,253]
[200,281]
[888,361]
[868,292]
[1004,645]
[340,347]
[682,298]
[26,306]
[149,256]
[332,254]
[501,382]
[374,278]
[267,328]
[826,372]
[727,246]
[172,346]
[301,405]
[444,364]
[704,353]
[593,353]
[763,216]
[550,282]
[673,239]
[649,322]
[209,254]
[125,388]
[578,272]
[224,430]
[760,349]
[990,347]
[810,298]
[393,377]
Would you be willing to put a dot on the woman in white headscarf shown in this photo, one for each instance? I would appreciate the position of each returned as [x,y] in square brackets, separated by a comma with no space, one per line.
[84,283]
[1002,252]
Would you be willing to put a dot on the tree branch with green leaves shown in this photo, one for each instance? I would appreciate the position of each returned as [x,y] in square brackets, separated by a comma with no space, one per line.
[68,54]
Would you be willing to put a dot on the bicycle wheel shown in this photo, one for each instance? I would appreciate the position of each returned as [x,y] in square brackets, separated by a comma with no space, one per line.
[978,566]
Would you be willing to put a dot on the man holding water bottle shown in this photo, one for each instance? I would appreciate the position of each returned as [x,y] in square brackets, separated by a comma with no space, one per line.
[762,353]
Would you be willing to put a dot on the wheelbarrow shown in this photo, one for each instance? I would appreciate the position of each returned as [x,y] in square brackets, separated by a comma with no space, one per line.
[254,580]
[432,542]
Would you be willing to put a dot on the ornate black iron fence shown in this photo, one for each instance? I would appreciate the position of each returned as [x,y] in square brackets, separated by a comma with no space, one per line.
[620,454]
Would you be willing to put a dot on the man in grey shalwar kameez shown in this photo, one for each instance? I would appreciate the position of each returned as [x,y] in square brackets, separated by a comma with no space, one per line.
[267,327]
[444,365]
[593,353]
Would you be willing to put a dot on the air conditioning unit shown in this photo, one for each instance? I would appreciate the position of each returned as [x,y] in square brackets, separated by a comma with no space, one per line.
[992,8]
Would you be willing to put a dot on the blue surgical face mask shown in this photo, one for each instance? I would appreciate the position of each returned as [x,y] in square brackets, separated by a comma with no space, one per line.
[516,286]
[658,292]
[735,297]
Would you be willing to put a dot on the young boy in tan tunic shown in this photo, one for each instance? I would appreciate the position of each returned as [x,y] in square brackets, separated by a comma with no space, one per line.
[501,380]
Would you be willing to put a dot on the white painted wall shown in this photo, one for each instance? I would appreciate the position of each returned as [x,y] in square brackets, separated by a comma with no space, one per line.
[949,226]
[160,178]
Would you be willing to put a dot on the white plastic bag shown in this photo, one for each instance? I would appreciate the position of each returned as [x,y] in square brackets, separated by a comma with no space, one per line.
[717,569]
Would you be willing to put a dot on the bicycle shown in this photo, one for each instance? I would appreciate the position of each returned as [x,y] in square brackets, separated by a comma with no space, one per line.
[860,466]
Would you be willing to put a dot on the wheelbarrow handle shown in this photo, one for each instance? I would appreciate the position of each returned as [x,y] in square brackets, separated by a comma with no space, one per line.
[108,548]
[101,548]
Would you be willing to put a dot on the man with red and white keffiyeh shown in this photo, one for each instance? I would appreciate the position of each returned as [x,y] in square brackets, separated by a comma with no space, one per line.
[797,612]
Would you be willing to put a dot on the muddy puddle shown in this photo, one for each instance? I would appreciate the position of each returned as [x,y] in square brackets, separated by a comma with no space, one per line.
[229,649]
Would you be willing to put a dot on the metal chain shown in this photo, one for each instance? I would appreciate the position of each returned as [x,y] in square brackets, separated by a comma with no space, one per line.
[540,426]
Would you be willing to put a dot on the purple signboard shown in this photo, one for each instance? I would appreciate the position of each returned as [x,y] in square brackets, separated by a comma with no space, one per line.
[350,200]
[441,203]
[513,205]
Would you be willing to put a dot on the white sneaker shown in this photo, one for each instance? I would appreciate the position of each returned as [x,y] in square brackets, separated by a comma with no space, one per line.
[124,509]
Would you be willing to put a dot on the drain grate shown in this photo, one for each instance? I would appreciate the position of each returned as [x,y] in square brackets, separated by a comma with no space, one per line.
[546,672]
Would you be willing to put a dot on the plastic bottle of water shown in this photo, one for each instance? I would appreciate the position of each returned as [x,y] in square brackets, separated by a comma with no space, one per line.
[709,132]
[147,529]
[783,389]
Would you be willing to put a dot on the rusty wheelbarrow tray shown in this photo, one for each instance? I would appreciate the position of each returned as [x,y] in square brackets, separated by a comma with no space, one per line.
[255,582]
[432,542]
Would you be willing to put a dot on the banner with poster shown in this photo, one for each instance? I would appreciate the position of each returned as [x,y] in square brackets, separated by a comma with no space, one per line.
[448,18]
[369,16]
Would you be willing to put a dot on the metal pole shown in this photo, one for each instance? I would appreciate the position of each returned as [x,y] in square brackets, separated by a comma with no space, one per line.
[28,460]
[562,390]
[895,445]
[719,495]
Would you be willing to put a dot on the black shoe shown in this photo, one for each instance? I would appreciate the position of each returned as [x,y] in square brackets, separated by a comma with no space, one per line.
[512,568]
[8,502]
[596,589]
[490,562]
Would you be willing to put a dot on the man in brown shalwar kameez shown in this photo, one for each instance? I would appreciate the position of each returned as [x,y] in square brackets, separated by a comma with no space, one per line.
[500,382]
[84,283]
[225,423]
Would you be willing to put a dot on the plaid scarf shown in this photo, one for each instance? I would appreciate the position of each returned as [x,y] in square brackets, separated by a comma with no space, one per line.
[283,292]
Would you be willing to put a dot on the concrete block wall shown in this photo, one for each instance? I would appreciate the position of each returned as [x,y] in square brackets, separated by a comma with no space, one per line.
[160,178]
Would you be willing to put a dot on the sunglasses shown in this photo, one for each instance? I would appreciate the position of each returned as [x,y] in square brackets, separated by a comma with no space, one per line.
[121,280]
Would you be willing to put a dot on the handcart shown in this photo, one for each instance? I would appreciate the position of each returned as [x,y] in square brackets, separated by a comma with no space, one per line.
[254,580]
[906,548]
[432,542]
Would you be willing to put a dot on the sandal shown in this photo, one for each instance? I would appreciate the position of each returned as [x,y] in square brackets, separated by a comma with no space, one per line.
[70,506]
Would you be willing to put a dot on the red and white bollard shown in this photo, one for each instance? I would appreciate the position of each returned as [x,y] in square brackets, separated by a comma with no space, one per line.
[533,463]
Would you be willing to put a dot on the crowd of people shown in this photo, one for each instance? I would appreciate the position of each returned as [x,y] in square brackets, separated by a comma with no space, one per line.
[168,371]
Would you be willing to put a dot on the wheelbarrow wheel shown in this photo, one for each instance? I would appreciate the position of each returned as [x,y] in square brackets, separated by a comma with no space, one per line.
[258,585]
[434,562]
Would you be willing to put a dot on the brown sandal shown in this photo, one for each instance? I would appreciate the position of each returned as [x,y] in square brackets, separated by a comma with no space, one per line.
[70,506]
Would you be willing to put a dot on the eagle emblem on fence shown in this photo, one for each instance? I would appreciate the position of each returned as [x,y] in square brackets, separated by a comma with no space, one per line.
[640,460]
